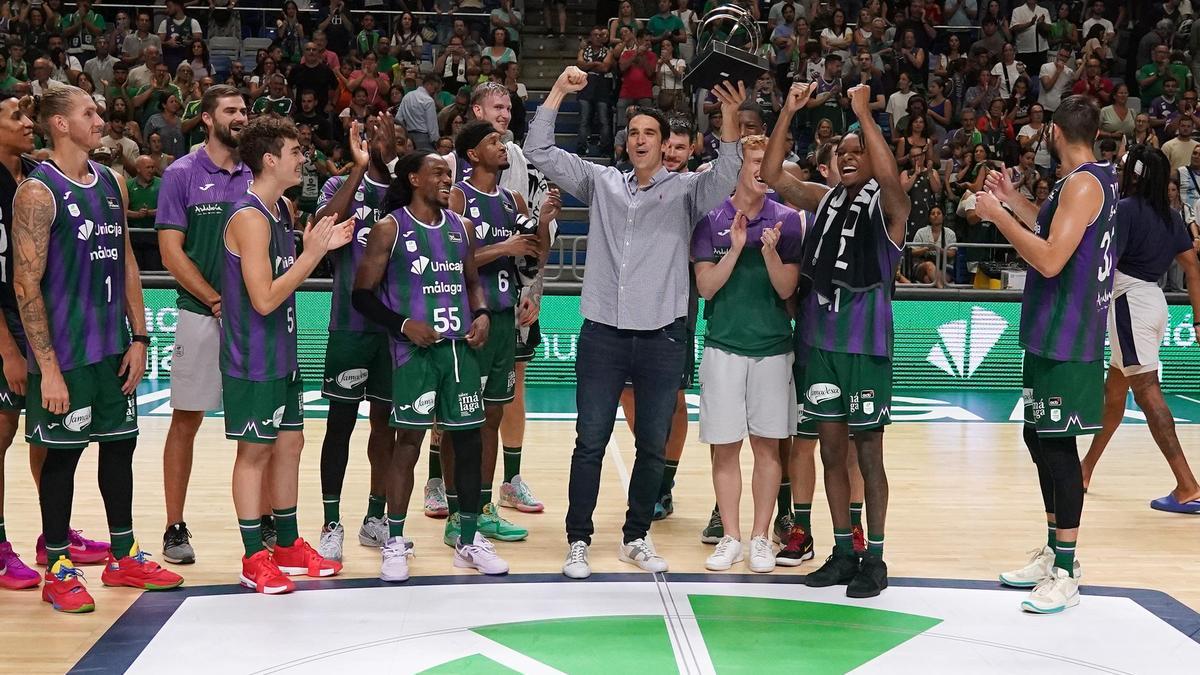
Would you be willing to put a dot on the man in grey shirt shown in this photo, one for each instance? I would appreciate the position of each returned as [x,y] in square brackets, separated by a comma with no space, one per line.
[634,301]
[418,113]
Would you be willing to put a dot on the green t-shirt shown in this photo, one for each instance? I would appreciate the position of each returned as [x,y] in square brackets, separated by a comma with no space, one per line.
[154,104]
[84,37]
[8,82]
[443,99]
[143,197]
[387,63]
[112,92]
[190,112]
[310,180]
[264,104]
[1155,89]
[660,26]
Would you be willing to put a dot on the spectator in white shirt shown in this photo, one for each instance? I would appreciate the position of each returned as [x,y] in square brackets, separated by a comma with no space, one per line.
[1028,23]
[1056,78]
[1096,16]
[1008,71]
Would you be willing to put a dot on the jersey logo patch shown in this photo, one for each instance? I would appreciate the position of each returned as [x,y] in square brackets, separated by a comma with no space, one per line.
[85,230]
[823,391]
[454,237]
[474,211]
[363,212]
[78,420]
[112,203]
[73,209]
[481,230]
[419,265]
[277,417]
[411,246]
[424,403]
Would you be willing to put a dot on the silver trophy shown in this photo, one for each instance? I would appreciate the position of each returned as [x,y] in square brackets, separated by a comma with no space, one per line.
[727,42]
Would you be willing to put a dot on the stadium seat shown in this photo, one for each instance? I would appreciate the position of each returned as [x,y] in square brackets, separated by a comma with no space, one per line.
[230,48]
[251,45]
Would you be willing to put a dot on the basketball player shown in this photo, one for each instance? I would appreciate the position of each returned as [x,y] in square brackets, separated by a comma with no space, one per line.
[677,150]
[501,221]
[1068,244]
[357,364]
[193,206]
[260,378]
[418,280]
[1152,235]
[77,282]
[747,254]
[850,260]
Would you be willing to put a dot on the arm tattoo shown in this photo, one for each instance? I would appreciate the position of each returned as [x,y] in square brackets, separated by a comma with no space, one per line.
[33,214]
[538,286]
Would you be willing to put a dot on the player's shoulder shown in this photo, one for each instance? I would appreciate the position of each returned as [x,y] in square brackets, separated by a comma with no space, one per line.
[181,167]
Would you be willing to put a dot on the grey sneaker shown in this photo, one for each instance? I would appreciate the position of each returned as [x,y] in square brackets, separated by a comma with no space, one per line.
[330,546]
[374,532]
[176,545]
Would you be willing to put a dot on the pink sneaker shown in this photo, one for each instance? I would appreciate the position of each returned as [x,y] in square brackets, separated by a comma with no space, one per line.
[84,551]
[14,574]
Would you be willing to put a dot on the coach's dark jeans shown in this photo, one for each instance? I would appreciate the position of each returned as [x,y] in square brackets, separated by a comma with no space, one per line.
[653,360]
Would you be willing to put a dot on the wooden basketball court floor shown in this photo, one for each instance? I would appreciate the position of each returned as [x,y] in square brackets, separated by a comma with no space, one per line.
[964,505]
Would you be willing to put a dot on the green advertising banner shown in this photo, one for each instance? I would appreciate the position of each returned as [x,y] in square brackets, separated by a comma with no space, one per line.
[939,344]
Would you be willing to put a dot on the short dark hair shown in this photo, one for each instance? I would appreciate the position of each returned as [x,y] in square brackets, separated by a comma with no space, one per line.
[664,127]
[834,57]
[264,135]
[471,135]
[208,101]
[430,78]
[1078,118]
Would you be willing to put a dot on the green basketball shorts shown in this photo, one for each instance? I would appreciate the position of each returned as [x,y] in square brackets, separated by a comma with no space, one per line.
[1062,398]
[804,425]
[851,388]
[98,410]
[497,359]
[441,381]
[357,366]
[256,412]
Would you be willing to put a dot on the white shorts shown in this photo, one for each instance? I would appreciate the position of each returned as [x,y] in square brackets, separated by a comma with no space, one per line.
[196,363]
[745,395]
[1137,322]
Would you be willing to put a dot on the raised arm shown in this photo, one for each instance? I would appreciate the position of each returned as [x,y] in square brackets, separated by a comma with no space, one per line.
[895,201]
[1000,184]
[1079,203]
[804,195]
[249,238]
[33,213]
[712,274]
[711,187]
[573,174]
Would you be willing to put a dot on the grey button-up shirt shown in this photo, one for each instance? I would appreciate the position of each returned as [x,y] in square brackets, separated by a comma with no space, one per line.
[636,276]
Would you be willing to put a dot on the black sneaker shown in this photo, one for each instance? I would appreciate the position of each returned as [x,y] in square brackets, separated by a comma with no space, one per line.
[715,530]
[839,568]
[269,535]
[871,578]
[177,548]
[783,525]
[797,547]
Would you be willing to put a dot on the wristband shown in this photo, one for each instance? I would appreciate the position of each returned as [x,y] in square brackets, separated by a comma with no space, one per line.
[144,339]
[482,311]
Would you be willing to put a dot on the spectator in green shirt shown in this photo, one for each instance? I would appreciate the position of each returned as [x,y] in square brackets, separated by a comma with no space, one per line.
[666,25]
[7,82]
[81,28]
[383,49]
[1150,76]
[143,193]
[151,97]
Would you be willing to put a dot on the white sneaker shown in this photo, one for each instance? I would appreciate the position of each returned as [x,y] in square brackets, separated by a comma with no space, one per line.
[396,553]
[374,532]
[1041,562]
[640,553]
[330,546]
[762,558]
[727,554]
[576,565]
[1053,594]
[479,555]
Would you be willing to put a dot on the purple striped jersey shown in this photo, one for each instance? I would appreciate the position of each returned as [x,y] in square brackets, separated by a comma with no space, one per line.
[84,283]
[854,323]
[494,216]
[425,280]
[1065,317]
[254,346]
[366,205]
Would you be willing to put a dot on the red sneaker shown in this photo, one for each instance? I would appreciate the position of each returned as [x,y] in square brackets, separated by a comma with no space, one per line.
[137,571]
[860,539]
[260,572]
[64,590]
[84,551]
[300,558]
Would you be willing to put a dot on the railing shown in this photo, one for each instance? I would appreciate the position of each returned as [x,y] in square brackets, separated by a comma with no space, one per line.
[162,9]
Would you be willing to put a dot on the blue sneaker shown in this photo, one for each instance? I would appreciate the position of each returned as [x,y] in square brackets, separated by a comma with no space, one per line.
[1169,503]
[664,507]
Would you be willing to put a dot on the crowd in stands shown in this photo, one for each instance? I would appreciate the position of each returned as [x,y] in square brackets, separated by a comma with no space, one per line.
[962,87]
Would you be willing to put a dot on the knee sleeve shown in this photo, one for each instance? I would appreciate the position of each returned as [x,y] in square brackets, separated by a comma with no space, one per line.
[335,450]
[468,468]
[56,492]
[1062,459]
[116,481]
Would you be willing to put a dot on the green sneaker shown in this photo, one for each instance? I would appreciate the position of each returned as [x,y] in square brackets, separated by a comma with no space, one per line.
[450,535]
[715,531]
[492,526]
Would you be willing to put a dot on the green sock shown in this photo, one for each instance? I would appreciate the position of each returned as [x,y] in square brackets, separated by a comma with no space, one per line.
[3,534]
[452,502]
[843,540]
[467,524]
[375,506]
[1051,534]
[485,495]
[56,551]
[1064,557]
[856,509]
[120,541]
[802,513]
[435,461]
[875,544]
[668,481]
[332,504]
[251,535]
[784,499]
[512,463]
[396,524]
[287,531]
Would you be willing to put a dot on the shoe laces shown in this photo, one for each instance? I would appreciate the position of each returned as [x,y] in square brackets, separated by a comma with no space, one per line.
[522,491]
[759,546]
[577,554]
[178,534]
[724,545]
[398,548]
[641,549]
[69,571]
[715,519]
[785,522]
